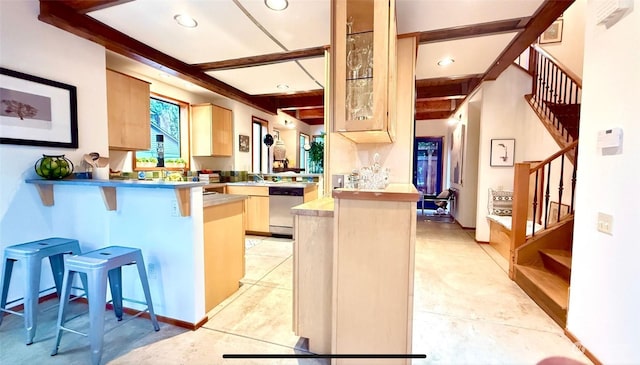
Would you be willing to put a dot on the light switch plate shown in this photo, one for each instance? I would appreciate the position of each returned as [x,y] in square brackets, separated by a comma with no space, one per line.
[605,223]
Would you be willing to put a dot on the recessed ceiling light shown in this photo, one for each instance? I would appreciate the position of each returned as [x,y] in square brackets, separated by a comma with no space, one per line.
[276,5]
[185,20]
[283,86]
[446,61]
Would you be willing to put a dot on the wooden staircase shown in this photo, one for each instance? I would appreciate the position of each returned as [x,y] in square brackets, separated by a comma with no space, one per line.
[543,270]
[541,261]
[555,96]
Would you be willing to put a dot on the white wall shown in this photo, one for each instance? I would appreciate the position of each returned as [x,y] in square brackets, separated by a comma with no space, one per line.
[503,109]
[570,50]
[33,47]
[605,292]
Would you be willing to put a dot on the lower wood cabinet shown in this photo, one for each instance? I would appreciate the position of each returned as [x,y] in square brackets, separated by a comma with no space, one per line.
[256,207]
[223,251]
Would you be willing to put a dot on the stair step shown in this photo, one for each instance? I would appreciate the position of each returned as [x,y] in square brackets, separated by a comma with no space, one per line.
[562,257]
[547,289]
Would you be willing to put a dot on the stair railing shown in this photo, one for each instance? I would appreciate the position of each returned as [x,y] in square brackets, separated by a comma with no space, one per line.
[554,181]
[553,84]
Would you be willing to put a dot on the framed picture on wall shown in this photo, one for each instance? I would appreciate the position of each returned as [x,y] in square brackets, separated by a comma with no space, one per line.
[553,212]
[36,111]
[243,146]
[503,152]
[553,34]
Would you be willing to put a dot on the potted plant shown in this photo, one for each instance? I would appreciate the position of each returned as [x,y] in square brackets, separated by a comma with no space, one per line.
[316,156]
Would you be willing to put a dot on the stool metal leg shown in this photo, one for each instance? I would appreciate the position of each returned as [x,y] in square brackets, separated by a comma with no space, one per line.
[6,279]
[57,269]
[98,289]
[64,301]
[147,293]
[115,283]
[31,296]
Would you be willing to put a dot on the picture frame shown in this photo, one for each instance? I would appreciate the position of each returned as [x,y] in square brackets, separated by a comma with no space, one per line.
[502,152]
[552,215]
[243,144]
[276,134]
[35,111]
[553,34]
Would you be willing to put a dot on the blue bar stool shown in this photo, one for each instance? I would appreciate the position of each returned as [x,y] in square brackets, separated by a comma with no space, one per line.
[97,266]
[32,254]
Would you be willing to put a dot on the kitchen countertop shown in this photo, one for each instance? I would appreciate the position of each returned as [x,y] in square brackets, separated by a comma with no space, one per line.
[285,184]
[393,192]
[322,207]
[210,200]
[120,183]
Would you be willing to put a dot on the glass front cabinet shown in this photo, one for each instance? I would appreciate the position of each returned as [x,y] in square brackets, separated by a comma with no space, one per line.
[364,69]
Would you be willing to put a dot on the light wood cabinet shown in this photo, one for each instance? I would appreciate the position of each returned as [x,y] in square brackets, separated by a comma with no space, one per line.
[211,130]
[373,288]
[312,273]
[256,207]
[363,69]
[128,112]
[223,251]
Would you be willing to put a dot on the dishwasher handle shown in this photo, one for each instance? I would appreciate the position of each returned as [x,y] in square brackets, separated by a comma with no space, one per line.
[280,190]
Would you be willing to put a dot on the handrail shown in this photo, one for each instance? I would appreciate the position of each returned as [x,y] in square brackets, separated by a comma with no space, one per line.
[575,78]
[540,165]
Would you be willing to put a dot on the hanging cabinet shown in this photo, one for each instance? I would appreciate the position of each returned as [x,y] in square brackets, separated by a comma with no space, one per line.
[211,130]
[128,112]
[363,69]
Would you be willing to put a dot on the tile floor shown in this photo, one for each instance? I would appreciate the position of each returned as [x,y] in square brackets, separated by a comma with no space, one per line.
[466,311]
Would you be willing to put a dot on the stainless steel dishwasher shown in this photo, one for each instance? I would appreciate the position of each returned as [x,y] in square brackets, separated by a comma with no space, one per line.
[281,199]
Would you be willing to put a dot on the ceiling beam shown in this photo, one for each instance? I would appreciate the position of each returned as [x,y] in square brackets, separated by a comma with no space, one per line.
[445,87]
[66,18]
[440,35]
[432,115]
[435,105]
[312,113]
[546,14]
[262,60]
[86,6]
[473,30]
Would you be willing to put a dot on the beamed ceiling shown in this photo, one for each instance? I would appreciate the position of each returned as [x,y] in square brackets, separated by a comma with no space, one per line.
[241,49]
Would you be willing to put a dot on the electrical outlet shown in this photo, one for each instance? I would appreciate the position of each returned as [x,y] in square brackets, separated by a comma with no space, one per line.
[175,210]
[605,223]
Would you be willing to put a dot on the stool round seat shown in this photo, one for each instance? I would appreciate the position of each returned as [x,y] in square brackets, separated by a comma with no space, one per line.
[97,266]
[32,254]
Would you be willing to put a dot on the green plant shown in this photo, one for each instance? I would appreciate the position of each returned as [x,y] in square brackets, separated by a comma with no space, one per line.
[316,155]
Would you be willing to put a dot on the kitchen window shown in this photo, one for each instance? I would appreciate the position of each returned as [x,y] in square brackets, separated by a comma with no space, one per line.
[303,155]
[260,152]
[169,135]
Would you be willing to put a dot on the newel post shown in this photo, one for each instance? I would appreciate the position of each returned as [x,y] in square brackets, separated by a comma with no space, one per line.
[519,213]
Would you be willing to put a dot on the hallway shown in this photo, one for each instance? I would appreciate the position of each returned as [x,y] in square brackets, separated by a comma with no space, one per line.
[466,311]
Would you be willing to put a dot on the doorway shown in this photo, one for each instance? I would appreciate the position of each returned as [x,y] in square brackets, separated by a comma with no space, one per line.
[427,167]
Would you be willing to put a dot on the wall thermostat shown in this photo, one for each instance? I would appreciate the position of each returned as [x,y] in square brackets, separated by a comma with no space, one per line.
[610,141]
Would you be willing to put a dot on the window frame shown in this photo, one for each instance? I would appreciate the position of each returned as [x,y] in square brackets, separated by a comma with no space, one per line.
[185,133]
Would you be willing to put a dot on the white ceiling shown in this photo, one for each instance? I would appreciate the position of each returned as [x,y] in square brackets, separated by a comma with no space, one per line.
[227,29]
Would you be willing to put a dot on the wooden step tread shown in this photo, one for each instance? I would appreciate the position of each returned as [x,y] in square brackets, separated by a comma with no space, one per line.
[551,284]
[563,257]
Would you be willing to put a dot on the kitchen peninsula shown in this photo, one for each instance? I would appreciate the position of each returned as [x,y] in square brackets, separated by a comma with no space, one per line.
[184,237]
[360,245]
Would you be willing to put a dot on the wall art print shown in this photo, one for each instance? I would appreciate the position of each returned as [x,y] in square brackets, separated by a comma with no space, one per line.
[36,111]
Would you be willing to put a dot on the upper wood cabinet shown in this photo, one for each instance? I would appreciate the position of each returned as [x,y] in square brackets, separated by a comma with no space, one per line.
[128,112]
[211,130]
[363,69]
